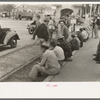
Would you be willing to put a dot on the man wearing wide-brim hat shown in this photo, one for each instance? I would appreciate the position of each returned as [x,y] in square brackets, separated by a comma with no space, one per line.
[49,64]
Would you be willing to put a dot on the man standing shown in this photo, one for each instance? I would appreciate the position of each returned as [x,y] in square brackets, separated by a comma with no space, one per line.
[42,31]
[97,24]
[64,29]
[68,21]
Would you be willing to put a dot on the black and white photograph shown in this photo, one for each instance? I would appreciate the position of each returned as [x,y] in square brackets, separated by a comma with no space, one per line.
[57,42]
[49,49]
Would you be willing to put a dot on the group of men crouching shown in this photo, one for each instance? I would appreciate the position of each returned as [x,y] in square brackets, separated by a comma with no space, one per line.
[56,50]
[55,53]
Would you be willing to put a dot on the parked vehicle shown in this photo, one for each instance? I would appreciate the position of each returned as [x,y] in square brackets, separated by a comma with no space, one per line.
[79,20]
[31,27]
[8,37]
[25,15]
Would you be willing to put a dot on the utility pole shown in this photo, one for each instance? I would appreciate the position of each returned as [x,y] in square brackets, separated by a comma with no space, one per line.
[90,10]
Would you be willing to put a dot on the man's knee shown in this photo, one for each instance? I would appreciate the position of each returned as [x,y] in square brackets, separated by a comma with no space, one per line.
[37,67]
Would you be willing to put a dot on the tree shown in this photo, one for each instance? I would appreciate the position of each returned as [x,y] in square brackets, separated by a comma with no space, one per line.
[7,7]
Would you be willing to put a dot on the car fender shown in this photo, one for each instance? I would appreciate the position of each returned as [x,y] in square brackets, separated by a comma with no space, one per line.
[9,36]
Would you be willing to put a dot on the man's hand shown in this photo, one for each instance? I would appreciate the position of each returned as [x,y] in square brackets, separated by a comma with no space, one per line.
[37,62]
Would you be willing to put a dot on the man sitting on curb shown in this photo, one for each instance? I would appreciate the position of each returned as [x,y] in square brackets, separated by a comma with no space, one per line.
[75,42]
[58,51]
[79,35]
[85,35]
[65,46]
[49,64]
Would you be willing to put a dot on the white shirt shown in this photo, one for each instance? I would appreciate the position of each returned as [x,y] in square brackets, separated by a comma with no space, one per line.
[84,34]
[49,59]
[73,21]
[59,53]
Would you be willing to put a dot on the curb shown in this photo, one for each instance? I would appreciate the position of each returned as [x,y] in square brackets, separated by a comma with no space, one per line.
[49,78]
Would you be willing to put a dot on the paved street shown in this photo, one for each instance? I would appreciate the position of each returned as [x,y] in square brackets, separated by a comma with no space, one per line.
[82,68]
[20,27]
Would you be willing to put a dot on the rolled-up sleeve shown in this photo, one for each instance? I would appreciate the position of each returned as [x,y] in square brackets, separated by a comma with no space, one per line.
[44,58]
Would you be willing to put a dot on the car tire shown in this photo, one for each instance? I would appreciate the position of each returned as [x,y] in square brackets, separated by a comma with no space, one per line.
[30,30]
[13,42]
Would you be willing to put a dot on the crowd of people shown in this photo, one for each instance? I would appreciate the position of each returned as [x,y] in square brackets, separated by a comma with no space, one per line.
[57,44]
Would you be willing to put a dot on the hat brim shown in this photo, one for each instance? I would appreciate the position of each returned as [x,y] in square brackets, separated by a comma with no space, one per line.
[60,38]
[74,35]
[45,44]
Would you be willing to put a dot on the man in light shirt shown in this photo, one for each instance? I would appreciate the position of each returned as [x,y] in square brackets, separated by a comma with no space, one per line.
[49,64]
[58,51]
[85,35]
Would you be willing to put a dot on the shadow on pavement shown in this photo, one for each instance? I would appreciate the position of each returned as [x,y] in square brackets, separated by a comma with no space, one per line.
[3,48]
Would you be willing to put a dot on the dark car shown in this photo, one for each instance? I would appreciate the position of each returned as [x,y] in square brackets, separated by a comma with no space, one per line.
[8,37]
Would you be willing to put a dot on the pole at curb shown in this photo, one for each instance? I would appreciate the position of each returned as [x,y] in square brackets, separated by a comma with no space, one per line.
[92,32]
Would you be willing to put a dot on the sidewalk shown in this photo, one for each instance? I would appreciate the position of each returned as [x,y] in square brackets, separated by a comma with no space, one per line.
[82,68]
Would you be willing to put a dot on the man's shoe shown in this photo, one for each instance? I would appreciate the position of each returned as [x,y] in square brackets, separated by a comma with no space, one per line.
[94,54]
[95,59]
[98,62]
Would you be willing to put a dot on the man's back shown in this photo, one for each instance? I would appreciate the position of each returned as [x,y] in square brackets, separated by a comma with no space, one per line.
[59,53]
[42,32]
[51,59]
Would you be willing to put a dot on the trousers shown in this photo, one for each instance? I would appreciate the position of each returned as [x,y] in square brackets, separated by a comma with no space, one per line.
[36,69]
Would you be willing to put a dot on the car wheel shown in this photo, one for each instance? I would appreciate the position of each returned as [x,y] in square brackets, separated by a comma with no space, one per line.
[30,30]
[13,42]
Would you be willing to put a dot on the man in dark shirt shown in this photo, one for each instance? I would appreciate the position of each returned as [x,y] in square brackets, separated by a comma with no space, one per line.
[65,46]
[79,35]
[64,29]
[42,31]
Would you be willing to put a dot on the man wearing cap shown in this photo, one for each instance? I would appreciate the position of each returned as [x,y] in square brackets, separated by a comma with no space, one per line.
[42,31]
[64,29]
[49,64]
